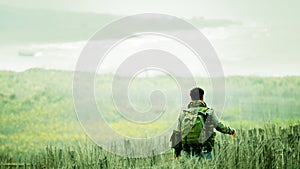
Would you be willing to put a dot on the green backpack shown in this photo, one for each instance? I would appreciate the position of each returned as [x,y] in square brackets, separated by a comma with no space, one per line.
[193,125]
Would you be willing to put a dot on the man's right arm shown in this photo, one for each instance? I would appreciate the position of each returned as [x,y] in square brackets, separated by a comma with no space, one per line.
[176,137]
[179,120]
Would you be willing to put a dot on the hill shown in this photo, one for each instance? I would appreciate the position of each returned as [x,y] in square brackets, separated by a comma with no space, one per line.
[36,106]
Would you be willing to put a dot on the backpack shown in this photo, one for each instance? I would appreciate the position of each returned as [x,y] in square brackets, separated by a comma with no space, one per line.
[193,125]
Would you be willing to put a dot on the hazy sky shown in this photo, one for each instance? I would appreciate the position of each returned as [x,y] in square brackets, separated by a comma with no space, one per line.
[266,42]
[250,10]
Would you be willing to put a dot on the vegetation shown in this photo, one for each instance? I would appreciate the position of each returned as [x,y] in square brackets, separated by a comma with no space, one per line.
[39,127]
[272,147]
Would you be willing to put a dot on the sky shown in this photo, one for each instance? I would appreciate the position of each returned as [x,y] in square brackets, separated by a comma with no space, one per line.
[250,10]
[265,43]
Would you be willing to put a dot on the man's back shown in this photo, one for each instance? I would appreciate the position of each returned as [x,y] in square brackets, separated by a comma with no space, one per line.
[199,136]
[195,128]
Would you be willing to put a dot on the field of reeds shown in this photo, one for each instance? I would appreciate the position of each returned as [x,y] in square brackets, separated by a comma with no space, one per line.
[39,127]
[269,147]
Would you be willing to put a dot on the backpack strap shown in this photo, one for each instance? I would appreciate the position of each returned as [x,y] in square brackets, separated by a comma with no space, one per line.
[203,112]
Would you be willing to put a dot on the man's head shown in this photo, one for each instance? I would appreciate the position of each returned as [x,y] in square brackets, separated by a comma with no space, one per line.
[197,93]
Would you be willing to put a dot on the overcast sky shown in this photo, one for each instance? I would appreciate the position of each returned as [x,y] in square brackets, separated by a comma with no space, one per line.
[268,38]
[250,10]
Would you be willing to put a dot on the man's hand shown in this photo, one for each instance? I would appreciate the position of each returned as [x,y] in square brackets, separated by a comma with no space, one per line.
[234,134]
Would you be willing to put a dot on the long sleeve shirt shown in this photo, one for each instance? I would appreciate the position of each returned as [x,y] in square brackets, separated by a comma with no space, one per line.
[212,120]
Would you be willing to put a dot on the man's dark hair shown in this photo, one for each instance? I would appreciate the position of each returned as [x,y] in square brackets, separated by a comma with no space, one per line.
[197,93]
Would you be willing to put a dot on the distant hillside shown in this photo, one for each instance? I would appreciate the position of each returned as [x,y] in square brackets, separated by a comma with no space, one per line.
[247,98]
[34,25]
[29,25]
[36,106]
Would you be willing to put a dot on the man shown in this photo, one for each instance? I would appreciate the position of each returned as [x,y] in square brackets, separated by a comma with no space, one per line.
[195,130]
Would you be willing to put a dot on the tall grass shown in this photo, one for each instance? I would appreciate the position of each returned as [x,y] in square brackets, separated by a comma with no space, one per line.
[270,147]
[36,109]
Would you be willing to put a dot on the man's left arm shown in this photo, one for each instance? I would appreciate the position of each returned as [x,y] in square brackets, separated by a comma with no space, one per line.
[219,126]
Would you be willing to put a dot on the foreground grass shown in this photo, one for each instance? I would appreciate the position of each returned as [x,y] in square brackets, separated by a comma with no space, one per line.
[271,147]
[39,127]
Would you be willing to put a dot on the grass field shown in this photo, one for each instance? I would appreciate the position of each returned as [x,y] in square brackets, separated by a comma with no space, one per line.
[39,126]
[271,147]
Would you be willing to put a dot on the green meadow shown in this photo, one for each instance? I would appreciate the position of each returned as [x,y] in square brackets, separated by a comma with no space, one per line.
[39,126]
